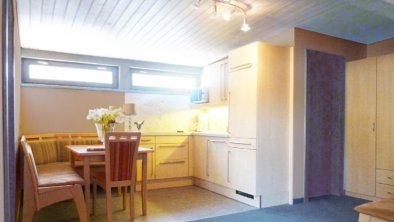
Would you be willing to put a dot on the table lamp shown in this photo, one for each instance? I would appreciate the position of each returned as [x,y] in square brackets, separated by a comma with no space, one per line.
[128,109]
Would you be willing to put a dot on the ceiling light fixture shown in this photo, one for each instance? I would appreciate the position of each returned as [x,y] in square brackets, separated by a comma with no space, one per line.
[228,8]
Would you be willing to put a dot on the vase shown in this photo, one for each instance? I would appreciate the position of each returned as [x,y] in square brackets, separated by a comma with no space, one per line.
[102,129]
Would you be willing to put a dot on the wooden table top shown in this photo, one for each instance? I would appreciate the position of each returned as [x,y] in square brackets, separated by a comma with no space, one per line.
[82,150]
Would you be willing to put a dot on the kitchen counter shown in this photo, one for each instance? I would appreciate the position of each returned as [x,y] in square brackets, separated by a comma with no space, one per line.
[213,134]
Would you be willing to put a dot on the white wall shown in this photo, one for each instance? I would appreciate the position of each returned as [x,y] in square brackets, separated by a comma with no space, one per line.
[163,113]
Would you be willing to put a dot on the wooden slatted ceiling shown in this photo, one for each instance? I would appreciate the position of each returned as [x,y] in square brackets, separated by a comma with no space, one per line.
[174,31]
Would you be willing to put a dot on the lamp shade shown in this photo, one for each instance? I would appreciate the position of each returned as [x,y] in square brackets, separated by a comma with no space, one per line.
[129,109]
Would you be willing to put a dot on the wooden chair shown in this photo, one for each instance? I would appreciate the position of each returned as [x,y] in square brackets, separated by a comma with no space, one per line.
[120,166]
[44,187]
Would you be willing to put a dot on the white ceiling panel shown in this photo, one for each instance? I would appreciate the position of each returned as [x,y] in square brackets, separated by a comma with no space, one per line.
[175,31]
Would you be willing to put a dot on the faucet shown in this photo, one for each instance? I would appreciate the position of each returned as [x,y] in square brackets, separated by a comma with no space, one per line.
[139,124]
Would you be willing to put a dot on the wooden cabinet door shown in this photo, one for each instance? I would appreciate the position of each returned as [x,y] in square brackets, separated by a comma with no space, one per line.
[242,103]
[385,115]
[215,78]
[360,118]
[217,161]
[200,157]
[151,163]
[242,169]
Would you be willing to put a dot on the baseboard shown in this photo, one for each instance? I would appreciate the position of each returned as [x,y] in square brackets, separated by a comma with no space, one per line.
[225,191]
[298,200]
[362,196]
[274,199]
[166,183]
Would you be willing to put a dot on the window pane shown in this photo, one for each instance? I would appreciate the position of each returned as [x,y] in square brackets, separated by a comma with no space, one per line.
[163,81]
[57,73]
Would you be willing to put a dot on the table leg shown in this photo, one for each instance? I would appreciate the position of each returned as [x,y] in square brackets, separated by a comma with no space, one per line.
[86,176]
[72,160]
[144,182]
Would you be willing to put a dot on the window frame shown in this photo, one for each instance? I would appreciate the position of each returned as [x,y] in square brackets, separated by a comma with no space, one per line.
[159,72]
[69,64]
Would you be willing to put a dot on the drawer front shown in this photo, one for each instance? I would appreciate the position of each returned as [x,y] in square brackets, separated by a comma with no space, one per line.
[147,140]
[385,177]
[384,191]
[165,153]
[172,169]
[172,139]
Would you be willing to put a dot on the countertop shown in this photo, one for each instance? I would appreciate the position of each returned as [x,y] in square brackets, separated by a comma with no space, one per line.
[213,134]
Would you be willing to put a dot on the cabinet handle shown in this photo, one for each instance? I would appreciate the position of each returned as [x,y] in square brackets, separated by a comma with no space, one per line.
[390,193]
[240,67]
[390,178]
[146,140]
[373,127]
[175,146]
[174,162]
[217,141]
[228,166]
[240,143]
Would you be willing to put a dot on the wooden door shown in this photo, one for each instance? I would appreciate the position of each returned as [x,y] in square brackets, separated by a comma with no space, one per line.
[385,112]
[360,127]
[324,124]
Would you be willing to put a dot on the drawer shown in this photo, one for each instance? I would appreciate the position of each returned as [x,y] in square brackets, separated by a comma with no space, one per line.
[171,152]
[172,139]
[147,140]
[172,169]
[385,177]
[384,191]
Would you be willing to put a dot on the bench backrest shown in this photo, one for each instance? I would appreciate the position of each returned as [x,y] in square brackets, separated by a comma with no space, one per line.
[49,148]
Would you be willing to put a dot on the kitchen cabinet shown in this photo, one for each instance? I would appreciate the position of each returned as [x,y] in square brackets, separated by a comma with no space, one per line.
[369,127]
[172,157]
[258,127]
[242,169]
[200,157]
[242,103]
[214,77]
[148,142]
[360,127]
[217,161]
[211,159]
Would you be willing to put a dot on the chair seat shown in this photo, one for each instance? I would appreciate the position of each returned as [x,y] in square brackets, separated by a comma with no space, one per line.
[383,209]
[57,174]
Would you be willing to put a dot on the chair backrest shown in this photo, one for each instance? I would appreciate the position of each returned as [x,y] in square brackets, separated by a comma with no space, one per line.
[30,166]
[120,155]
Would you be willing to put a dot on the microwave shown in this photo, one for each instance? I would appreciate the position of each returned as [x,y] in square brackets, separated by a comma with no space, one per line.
[199,95]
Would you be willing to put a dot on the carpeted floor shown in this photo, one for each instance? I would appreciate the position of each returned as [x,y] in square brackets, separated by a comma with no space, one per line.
[323,209]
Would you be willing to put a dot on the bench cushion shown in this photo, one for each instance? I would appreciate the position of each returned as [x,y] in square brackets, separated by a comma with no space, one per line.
[382,209]
[57,174]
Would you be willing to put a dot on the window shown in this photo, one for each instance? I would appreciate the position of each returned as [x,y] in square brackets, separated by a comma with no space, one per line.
[162,81]
[69,74]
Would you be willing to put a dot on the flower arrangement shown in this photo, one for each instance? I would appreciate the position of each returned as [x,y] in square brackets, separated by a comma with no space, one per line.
[106,117]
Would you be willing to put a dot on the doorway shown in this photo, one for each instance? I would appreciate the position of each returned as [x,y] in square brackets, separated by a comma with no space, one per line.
[325,111]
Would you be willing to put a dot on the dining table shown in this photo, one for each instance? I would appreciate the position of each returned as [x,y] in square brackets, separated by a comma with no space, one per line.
[86,153]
